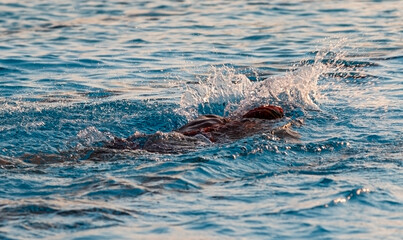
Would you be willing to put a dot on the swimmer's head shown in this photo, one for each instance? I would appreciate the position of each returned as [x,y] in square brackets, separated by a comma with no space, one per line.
[265,112]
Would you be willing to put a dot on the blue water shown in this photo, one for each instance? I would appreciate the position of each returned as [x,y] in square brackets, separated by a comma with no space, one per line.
[74,74]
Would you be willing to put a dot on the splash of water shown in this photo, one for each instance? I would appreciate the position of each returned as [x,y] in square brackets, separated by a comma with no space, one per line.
[89,136]
[226,92]
[222,89]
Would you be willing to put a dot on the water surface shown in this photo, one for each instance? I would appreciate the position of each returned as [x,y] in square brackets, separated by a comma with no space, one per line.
[75,74]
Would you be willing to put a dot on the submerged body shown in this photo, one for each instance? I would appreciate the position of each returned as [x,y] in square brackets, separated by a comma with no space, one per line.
[220,129]
[204,130]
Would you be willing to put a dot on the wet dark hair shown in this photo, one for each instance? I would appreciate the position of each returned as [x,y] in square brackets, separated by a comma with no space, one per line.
[265,112]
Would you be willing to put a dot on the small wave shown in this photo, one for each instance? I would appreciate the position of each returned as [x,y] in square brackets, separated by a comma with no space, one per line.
[10,209]
[107,187]
[51,215]
[348,196]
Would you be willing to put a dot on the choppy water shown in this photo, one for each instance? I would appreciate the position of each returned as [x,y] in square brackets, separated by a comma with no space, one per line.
[73,74]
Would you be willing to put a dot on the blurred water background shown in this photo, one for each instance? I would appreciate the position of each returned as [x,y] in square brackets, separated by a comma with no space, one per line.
[73,74]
